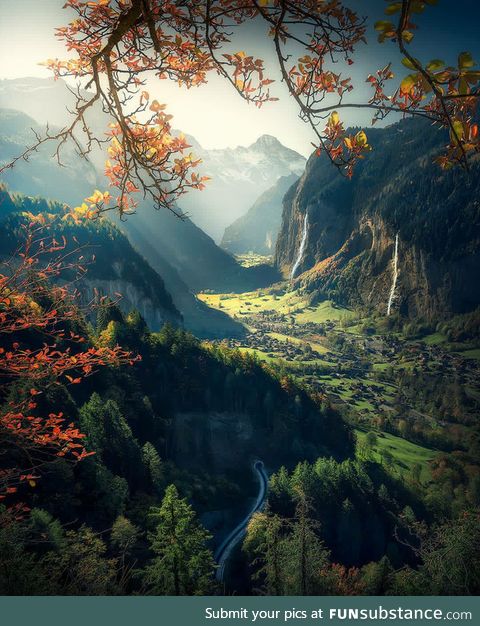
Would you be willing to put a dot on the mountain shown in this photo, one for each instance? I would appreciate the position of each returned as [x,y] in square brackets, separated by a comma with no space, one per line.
[238,176]
[44,99]
[190,259]
[41,174]
[402,230]
[118,268]
[149,236]
[49,101]
[257,230]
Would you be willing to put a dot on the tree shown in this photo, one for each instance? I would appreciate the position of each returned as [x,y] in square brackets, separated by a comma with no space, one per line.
[449,560]
[280,490]
[153,465]
[123,538]
[80,568]
[107,312]
[108,433]
[118,44]
[349,534]
[266,541]
[20,570]
[137,324]
[371,439]
[43,345]
[307,554]
[124,535]
[183,564]
[376,577]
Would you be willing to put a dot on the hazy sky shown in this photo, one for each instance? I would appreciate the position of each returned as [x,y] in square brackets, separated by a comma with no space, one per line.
[214,114]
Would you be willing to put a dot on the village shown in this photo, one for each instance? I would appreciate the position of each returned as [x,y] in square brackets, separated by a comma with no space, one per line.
[354,370]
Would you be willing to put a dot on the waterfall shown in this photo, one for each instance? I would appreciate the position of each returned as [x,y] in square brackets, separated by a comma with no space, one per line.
[395,276]
[301,250]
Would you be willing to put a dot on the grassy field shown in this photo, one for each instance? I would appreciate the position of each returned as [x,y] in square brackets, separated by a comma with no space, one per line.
[322,312]
[288,303]
[346,390]
[471,354]
[381,367]
[435,339]
[405,453]
[315,346]
[261,355]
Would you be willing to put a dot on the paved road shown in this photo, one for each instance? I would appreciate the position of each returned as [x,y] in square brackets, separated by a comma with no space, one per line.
[224,551]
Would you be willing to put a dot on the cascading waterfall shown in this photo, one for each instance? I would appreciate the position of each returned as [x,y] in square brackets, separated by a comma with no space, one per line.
[301,250]
[395,276]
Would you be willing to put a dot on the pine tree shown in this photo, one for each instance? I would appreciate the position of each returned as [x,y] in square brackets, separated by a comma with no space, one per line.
[108,312]
[183,564]
[124,535]
[307,554]
[266,532]
[137,324]
[349,534]
[109,435]
[376,577]
[280,491]
[153,466]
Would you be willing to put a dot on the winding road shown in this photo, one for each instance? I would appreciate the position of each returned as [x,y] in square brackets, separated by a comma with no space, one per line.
[228,544]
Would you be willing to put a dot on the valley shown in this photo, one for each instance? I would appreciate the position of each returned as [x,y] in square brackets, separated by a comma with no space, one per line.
[300,357]
[356,361]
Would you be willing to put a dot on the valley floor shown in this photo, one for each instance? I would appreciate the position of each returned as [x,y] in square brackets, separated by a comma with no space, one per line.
[369,374]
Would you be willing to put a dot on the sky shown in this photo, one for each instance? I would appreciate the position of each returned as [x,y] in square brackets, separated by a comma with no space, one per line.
[214,114]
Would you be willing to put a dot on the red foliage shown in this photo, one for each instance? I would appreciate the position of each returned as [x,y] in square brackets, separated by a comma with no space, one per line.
[117,44]
[33,311]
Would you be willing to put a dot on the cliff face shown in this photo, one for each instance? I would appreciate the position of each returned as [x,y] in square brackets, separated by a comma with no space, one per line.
[351,228]
[132,298]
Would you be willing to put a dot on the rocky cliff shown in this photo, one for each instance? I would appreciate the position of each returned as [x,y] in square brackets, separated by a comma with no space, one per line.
[352,226]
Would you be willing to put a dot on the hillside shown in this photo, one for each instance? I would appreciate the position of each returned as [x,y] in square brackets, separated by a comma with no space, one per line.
[198,318]
[196,258]
[118,271]
[190,415]
[238,175]
[257,230]
[240,309]
[350,228]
